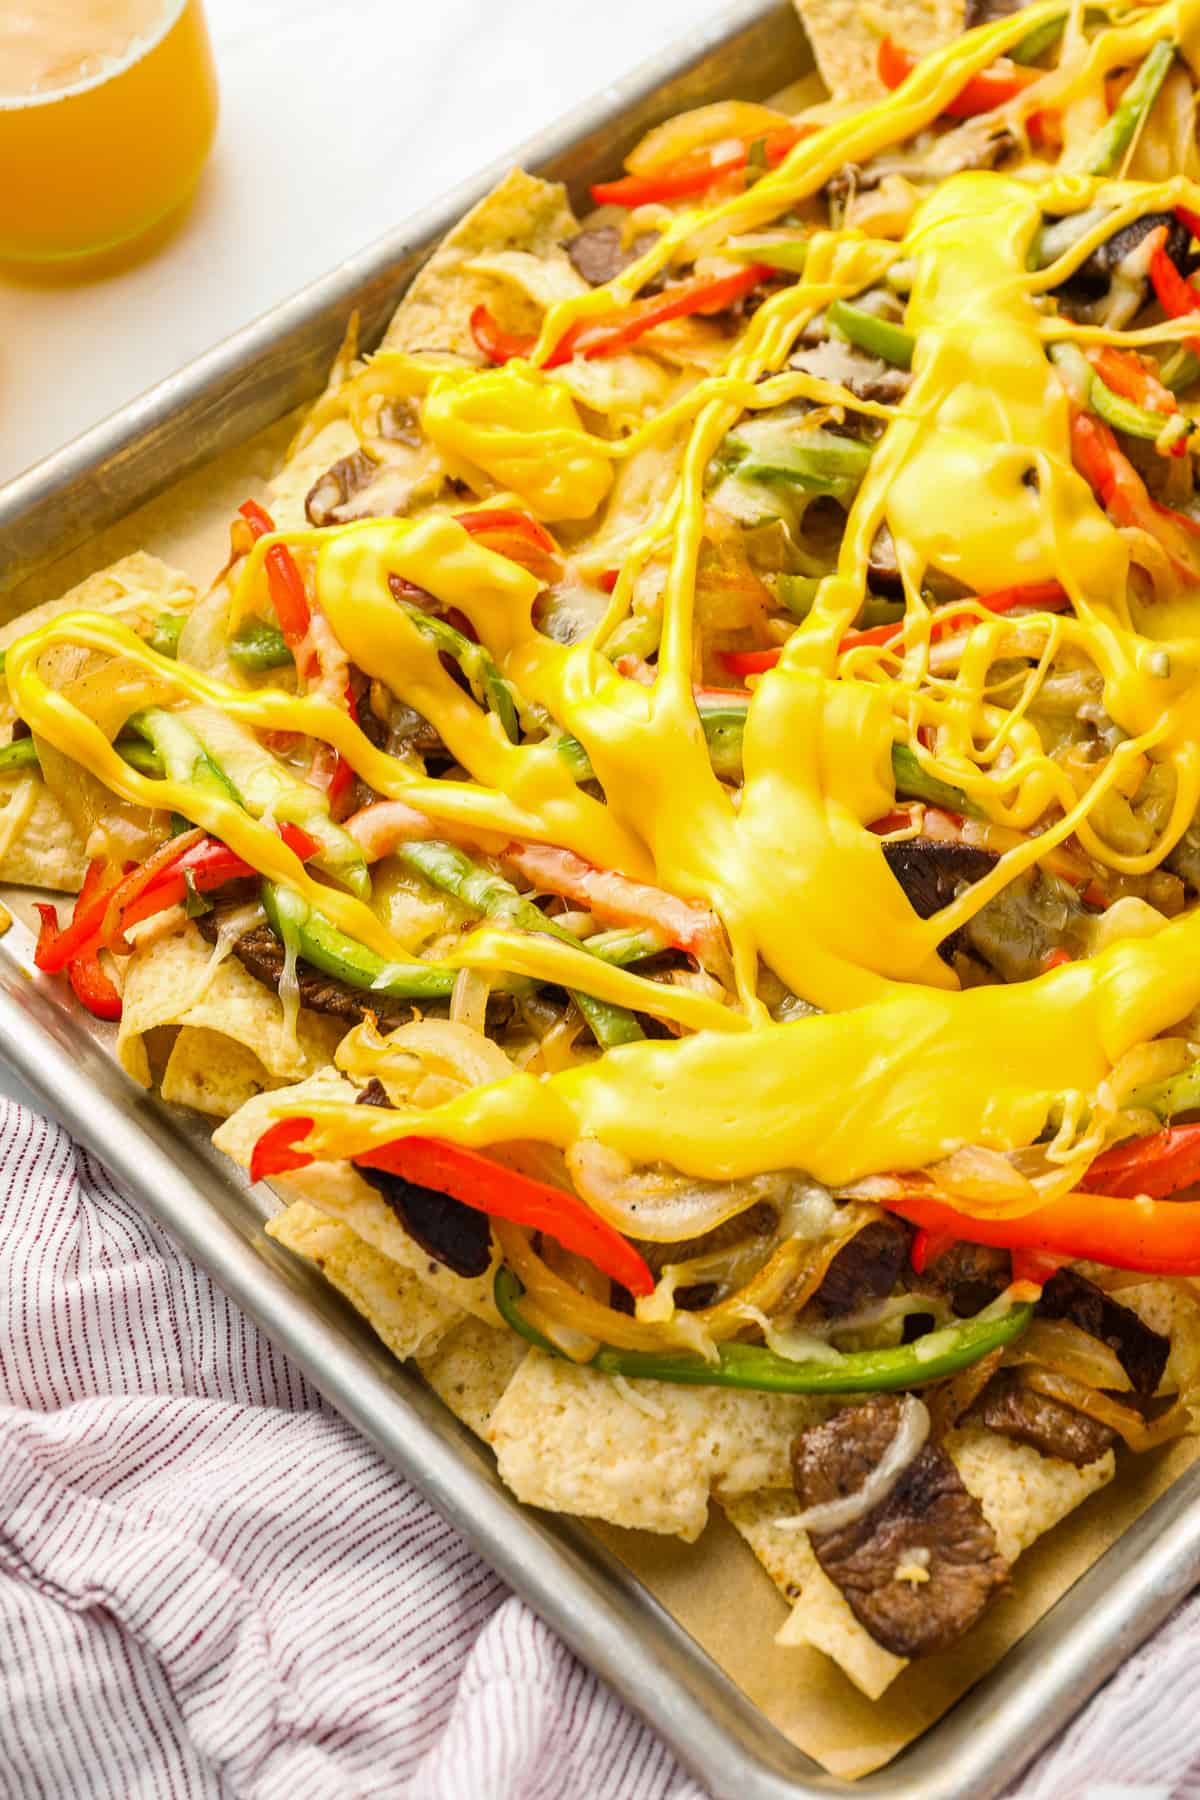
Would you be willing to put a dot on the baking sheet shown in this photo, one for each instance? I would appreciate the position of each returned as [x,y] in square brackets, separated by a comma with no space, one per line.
[715,1591]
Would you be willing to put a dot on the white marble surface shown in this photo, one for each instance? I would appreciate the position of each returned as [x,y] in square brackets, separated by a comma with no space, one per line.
[336,119]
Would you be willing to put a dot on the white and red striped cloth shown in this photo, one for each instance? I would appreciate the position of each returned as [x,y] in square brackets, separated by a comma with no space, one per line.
[211,1587]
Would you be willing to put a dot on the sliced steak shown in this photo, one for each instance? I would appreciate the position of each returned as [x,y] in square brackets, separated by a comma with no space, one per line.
[867,377]
[865,1269]
[261,955]
[932,870]
[1091,280]
[326,500]
[453,1234]
[1050,1427]
[985,12]
[599,254]
[1141,1351]
[928,1521]
[969,1276]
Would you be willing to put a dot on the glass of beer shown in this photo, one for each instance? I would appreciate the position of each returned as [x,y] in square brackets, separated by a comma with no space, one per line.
[107,112]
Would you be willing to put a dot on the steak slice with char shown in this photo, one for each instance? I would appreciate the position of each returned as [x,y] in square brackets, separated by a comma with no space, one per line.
[1050,1427]
[261,954]
[458,1236]
[969,1276]
[865,1269]
[931,870]
[928,1520]
[1141,1351]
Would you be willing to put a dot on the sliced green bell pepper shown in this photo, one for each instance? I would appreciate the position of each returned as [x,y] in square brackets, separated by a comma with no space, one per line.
[879,337]
[477,664]
[446,867]
[320,943]
[1114,139]
[754,1366]
[183,756]
[164,634]
[258,645]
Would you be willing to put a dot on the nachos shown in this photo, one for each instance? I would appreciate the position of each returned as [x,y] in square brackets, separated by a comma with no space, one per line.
[674,840]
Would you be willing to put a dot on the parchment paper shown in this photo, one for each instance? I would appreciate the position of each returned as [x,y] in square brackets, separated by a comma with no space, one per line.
[715,1588]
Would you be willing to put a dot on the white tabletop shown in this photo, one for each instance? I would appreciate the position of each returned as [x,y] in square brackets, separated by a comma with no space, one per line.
[336,120]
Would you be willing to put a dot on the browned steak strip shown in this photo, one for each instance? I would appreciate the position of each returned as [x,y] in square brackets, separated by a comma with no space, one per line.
[1049,1426]
[931,870]
[261,955]
[1141,1352]
[330,492]
[454,1234]
[967,1275]
[986,12]
[928,1521]
[866,1269]
[599,254]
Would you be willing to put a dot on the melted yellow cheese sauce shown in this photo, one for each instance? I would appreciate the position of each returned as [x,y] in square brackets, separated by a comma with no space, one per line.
[974,479]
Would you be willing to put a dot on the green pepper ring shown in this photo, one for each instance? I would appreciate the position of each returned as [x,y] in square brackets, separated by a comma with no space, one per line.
[754,1366]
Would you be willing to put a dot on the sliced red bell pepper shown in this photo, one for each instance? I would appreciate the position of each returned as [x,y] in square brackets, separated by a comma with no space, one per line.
[478,1182]
[516,535]
[102,913]
[1157,1165]
[93,988]
[206,864]
[1159,1236]
[1056,959]
[90,982]
[1176,295]
[749,662]
[1189,219]
[1127,375]
[1125,498]
[697,171]
[498,345]
[704,294]
[1042,596]
[285,583]
[274,1152]
[990,88]
[55,948]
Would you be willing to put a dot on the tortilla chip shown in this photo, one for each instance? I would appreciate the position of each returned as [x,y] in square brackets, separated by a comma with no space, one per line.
[1023,1495]
[643,1454]
[135,586]
[401,1310]
[340,1191]
[45,849]
[212,1073]
[291,486]
[471,1368]
[172,982]
[40,846]
[239,1134]
[820,1616]
[845,37]
[521,214]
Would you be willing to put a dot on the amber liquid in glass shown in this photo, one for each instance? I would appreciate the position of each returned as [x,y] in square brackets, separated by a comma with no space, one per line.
[107,112]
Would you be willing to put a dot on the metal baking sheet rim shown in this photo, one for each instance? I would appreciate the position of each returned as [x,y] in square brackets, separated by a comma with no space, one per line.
[585,1593]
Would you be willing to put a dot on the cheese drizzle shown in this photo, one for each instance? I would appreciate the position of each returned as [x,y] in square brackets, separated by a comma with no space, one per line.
[974,479]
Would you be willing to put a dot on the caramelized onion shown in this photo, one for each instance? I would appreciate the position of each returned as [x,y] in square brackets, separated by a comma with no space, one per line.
[1137,1432]
[659,1205]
